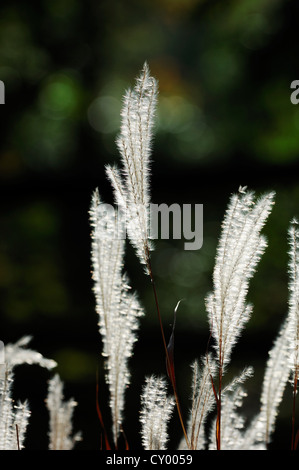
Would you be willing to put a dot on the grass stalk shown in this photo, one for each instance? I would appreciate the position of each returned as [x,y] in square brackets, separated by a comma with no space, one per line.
[169,368]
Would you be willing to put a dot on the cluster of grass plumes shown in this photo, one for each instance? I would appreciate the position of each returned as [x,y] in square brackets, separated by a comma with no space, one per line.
[15,417]
[215,420]
[239,251]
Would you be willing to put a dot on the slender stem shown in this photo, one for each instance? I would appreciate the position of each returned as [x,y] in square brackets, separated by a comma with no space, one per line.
[166,350]
[218,421]
[18,440]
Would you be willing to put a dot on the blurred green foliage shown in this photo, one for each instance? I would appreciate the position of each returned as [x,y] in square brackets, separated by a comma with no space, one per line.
[224,118]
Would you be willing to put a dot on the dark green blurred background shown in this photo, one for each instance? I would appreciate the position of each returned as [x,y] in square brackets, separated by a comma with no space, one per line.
[224,119]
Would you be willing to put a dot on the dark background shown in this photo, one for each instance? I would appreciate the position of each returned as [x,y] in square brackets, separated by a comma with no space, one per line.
[224,119]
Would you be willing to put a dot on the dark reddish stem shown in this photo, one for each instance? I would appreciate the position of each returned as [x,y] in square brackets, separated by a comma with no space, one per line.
[218,420]
[171,376]
[18,440]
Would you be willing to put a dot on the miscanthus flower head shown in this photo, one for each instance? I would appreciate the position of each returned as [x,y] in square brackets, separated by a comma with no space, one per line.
[240,248]
[203,402]
[117,307]
[14,416]
[131,182]
[293,313]
[61,416]
[156,411]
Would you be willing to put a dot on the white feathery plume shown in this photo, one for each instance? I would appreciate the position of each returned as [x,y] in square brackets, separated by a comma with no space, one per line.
[283,357]
[239,250]
[239,379]
[22,414]
[275,379]
[118,308]
[202,402]
[232,423]
[252,435]
[131,186]
[61,415]
[18,353]
[293,313]
[14,417]
[155,413]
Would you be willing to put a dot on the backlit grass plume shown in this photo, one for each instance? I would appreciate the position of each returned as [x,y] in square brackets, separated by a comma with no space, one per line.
[276,376]
[61,417]
[117,307]
[203,402]
[293,315]
[131,183]
[156,411]
[283,357]
[239,251]
[14,416]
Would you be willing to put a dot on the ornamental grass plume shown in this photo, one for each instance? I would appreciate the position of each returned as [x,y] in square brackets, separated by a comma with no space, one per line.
[232,422]
[276,376]
[14,418]
[203,402]
[293,315]
[283,357]
[131,184]
[131,193]
[155,413]
[117,307]
[240,248]
[239,251]
[61,416]
[215,418]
